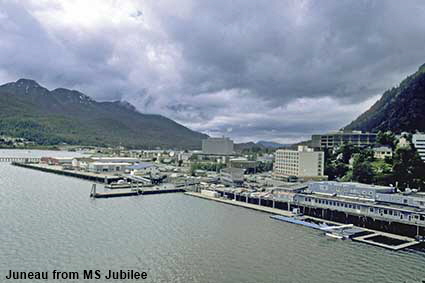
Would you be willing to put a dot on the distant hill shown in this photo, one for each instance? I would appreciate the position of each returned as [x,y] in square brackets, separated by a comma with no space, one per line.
[270,144]
[399,109]
[247,146]
[31,111]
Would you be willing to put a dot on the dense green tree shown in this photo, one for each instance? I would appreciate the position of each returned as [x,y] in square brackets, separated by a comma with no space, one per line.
[346,151]
[386,138]
[363,172]
[335,170]
[408,168]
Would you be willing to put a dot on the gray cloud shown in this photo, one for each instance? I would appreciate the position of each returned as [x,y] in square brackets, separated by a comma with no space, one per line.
[276,70]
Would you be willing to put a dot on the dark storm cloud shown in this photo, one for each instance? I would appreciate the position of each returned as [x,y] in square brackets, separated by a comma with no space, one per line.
[281,50]
[249,69]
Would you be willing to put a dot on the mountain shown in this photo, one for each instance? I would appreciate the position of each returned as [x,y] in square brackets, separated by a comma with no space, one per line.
[270,144]
[31,111]
[399,109]
[239,147]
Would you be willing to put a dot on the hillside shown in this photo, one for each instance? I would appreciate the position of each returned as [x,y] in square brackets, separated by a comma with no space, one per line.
[31,111]
[400,109]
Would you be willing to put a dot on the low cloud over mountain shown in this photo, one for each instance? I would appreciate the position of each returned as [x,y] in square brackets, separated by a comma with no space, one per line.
[274,70]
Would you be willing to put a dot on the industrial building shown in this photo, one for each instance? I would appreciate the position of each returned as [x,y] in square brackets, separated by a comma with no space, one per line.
[217,146]
[303,163]
[98,167]
[418,141]
[336,139]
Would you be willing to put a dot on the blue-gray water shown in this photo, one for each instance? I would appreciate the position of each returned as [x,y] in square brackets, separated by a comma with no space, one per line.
[48,222]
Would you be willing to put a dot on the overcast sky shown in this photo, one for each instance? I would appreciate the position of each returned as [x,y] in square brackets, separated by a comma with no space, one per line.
[249,69]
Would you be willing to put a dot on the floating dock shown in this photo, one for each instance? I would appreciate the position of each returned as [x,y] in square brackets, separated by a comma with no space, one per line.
[393,242]
[132,192]
[115,193]
[126,186]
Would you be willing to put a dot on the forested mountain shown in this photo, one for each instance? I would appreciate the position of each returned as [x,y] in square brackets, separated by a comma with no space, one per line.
[400,109]
[31,111]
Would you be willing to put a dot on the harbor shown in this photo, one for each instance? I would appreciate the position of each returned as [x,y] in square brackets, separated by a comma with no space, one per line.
[311,204]
[360,234]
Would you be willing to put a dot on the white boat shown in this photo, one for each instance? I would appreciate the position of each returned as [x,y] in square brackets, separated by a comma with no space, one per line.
[337,232]
[336,236]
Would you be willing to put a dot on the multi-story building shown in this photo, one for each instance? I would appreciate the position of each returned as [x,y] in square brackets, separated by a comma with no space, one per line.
[217,146]
[302,163]
[418,141]
[336,139]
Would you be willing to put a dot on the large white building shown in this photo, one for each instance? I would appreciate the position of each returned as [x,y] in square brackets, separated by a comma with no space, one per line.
[418,141]
[302,163]
[217,146]
[99,167]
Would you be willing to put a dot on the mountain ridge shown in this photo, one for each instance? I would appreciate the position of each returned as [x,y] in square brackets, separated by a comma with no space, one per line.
[31,111]
[399,109]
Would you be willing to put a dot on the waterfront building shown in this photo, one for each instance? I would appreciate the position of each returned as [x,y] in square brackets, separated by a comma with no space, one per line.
[131,160]
[232,176]
[81,163]
[143,169]
[303,163]
[348,189]
[99,167]
[362,200]
[418,141]
[336,139]
[375,207]
[382,151]
[57,160]
[217,146]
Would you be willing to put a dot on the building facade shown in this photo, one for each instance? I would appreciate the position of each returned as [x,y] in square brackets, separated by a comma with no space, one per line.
[382,152]
[99,167]
[418,141]
[217,146]
[232,176]
[302,163]
[337,139]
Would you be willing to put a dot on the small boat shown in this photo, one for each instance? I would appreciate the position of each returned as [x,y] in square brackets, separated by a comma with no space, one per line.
[338,236]
[337,232]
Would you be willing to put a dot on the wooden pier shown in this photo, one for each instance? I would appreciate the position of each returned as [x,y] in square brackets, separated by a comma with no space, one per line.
[72,173]
[243,204]
[20,159]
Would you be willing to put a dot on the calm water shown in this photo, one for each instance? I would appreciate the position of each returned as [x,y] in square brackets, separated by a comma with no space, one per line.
[48,222]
